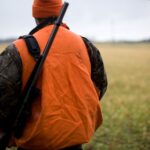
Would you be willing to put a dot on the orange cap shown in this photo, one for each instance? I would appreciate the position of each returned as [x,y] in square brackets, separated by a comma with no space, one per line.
[46,8]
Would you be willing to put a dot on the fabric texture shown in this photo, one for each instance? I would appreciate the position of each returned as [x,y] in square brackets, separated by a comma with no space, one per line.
[46,8]
[10,84]
[71,107]
[67,112]
[77,147]
[98,73]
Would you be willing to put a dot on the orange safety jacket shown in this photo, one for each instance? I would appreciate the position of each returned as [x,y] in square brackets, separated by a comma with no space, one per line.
[67,111]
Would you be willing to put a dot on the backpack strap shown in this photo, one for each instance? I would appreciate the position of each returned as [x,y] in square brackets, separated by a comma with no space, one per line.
[98,74]
[32,45]
[31,42]
[34,50]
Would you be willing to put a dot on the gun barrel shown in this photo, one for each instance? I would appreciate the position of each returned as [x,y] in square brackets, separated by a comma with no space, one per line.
[19,123]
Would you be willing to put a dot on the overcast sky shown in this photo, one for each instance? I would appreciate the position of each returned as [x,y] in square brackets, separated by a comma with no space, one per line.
[98,19]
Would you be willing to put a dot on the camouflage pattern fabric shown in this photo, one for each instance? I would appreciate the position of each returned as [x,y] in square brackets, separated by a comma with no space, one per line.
[10,84]
[98,73]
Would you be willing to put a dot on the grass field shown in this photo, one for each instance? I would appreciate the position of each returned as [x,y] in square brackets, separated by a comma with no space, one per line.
[3,46]
[126,105]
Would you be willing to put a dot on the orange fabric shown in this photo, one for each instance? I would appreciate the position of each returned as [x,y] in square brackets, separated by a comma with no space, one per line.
[68,111]
[46,8]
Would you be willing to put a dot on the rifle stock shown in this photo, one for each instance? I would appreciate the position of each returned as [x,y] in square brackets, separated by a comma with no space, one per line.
[21,115]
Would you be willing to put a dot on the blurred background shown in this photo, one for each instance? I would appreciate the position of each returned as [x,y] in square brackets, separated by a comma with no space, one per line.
[100,20]
[121,31]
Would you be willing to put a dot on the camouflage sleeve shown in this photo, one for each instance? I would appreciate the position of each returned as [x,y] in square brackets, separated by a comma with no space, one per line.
[10,83]
[98,73]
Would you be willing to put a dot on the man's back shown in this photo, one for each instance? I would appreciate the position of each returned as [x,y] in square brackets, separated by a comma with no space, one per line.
[68,106]
[67,111]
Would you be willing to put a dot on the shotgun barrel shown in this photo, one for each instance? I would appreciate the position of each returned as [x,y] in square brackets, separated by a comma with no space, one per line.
[18,123]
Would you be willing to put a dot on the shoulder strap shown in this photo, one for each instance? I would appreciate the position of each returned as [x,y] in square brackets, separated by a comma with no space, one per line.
[31,42]
[32,45]
[98,74]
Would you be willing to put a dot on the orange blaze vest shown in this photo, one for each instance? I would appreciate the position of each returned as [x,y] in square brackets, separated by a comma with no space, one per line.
[67,112]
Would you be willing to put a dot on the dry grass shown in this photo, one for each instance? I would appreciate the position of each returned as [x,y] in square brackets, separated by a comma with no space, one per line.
[3,46]
[126,106]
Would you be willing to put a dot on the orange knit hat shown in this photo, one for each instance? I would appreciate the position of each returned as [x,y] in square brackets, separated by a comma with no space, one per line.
[46,8]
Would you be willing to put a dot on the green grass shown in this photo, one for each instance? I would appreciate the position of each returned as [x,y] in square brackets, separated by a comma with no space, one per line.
[126,105]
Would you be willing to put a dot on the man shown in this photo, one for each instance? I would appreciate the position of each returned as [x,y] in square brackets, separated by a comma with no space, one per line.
[66,112]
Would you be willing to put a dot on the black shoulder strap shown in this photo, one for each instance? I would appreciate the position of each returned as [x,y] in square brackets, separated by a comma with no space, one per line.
[31,42]
[98,74]
[32,45]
